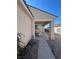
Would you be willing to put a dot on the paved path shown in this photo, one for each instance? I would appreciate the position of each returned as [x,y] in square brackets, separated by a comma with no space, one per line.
[44,52]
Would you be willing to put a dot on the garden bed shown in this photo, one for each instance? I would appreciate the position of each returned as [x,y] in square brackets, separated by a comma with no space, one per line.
[31,50]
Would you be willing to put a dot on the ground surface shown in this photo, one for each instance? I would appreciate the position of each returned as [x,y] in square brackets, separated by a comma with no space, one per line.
[32,50]
[55,47]
[42,48]
[44,51]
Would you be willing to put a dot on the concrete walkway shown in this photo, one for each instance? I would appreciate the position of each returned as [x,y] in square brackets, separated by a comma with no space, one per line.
[44,52]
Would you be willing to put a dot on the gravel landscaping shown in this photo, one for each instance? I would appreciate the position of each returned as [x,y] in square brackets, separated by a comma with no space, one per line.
[55,46]
[31,50]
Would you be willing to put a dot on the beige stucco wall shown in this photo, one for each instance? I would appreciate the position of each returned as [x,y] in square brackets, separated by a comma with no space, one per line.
[43,20]
[24,25]
[55,30]
[38,14]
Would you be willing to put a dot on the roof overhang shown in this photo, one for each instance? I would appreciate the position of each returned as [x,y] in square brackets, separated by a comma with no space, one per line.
[40,14]
[24,7]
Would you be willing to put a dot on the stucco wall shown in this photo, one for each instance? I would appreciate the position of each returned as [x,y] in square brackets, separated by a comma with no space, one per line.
[38,14]
[43,20]
[23,25]
[55,30]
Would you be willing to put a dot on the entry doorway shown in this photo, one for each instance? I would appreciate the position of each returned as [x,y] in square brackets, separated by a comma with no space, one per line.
[41,30]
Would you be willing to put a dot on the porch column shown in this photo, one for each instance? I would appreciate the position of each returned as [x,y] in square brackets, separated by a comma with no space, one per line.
[52,30]
[33,29]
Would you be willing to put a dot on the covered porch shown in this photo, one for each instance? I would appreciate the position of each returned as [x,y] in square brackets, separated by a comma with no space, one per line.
[40,19]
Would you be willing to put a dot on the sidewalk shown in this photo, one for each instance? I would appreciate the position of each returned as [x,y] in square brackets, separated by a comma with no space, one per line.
[44,52]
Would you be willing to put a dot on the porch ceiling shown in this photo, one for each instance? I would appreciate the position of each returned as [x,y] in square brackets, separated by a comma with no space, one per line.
[42,23]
